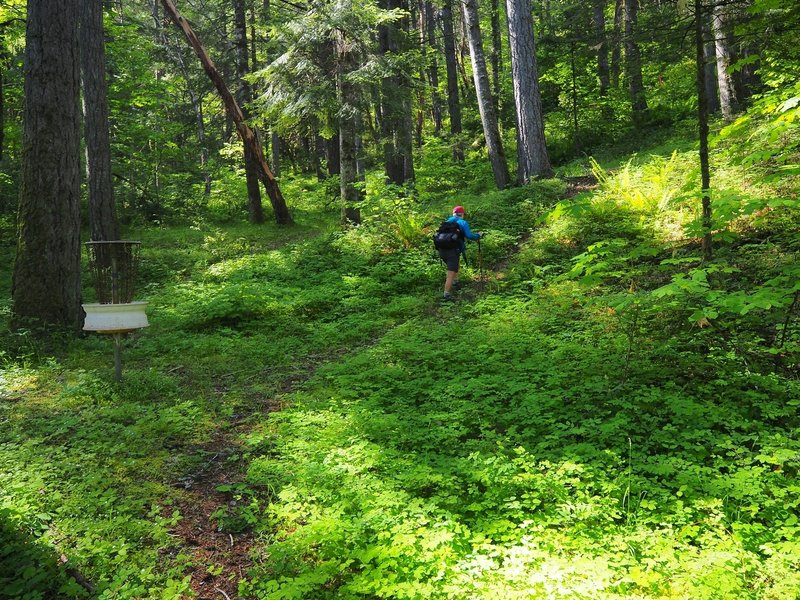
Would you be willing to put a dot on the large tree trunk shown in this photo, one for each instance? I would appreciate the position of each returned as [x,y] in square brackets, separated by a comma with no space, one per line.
[494,144]
[349,120]
[603,72]
[702,119]
[396,127]
[633,63]
[728,99]
[249,139]
[46,284]
[255,209]
[453,100]
[102,211]
[532,158]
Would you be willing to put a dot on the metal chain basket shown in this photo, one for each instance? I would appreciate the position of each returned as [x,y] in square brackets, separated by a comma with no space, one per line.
[113,267]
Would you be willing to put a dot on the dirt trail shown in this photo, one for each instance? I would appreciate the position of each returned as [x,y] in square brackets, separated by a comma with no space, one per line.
[219,559]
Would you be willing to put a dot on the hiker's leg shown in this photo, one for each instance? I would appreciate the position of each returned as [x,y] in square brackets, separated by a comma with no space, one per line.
[450,257]
[448,283]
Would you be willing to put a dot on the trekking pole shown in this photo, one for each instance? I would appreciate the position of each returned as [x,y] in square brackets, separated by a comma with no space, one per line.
[480,266]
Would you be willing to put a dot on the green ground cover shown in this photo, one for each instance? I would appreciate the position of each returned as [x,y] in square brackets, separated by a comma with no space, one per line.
[605,416]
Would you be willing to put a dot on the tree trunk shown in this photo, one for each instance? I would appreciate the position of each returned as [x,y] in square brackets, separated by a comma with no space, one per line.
[348,171]
[3,59]
[433,67]
[494,144]
[332,155]
[102,211]
[349,117]
[710,57]
[453,100]
[496,54]
[603,73]
[574,96]
[547,19]
[396,127]
[532,158]
[255,209]
[275,145]
[279,207]
[46,284]
[318,155]
[633,63]
[197,105]
[616,42]
[702,119]
[728,99]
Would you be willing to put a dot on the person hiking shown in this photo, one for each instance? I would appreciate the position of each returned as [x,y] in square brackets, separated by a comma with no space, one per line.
[452,256]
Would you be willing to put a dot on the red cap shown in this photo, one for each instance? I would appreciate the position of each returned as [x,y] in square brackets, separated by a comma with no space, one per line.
[458,210]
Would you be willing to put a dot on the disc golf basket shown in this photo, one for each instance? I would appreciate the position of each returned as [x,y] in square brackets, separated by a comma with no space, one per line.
[113,268]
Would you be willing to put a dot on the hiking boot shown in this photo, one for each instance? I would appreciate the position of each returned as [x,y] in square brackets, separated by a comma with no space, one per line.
[447,298]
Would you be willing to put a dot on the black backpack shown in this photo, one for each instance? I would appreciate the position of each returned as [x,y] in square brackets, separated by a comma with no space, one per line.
[448,236]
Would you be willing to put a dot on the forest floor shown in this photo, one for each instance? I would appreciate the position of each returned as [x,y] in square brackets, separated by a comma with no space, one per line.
[219,559]
[287,426]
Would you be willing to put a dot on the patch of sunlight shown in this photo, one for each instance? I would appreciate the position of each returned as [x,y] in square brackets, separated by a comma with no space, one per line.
[534,569]
[255,263]
[15,382]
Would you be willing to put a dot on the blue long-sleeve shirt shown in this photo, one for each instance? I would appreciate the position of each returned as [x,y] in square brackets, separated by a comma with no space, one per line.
[467,231]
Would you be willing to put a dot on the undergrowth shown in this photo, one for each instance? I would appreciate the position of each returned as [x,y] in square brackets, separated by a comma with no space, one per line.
[602,414]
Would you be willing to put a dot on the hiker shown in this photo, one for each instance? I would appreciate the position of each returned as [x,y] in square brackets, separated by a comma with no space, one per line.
[452,255]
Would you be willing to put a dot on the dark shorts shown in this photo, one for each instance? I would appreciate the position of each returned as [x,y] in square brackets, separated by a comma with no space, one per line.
[451,257]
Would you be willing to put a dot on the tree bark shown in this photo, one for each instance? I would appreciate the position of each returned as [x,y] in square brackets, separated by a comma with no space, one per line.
[433,67]
[603,72]
[728,99]
[496,54]
[453,100]
[249,139]
[532,158]
[494,144]
[616,42]
[332,154]
[348,170]
[349,118]
[710,57]
[255,208]
[46,285]
[275,147]
[102,211]
[702,119]
[3,59]
[396,127]
[633,63]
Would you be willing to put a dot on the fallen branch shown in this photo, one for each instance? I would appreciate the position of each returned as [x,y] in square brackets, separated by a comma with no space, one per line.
[223,593]
[76,575]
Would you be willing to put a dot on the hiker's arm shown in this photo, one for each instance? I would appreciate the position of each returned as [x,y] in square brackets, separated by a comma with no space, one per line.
[468,232]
